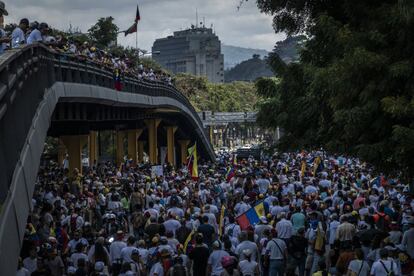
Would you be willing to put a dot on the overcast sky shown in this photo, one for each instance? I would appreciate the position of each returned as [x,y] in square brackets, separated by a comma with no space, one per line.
[159,18]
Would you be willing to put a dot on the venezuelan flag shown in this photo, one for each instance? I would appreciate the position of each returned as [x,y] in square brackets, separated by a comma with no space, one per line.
[251,216]
[230,173]
[192,162]
[303,168]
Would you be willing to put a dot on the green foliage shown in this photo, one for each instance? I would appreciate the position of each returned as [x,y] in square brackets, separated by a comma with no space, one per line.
[352,89]
[248,70]
[104,32]
[218,97]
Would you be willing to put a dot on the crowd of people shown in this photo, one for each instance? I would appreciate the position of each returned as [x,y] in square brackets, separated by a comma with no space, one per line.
[70,48]
[323,215]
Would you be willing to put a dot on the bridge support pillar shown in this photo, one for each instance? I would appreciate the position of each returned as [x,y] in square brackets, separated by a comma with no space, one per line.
[133,136]
[74,144]
[152,126]
[141,151]
[184,150]
[61,152]
[171,144]
[93,148]
[120,150]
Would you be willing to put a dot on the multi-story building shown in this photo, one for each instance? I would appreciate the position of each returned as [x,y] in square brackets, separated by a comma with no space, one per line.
[196,51]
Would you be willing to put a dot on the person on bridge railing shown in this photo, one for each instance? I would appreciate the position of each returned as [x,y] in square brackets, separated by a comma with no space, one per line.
[38,33]
[19,33]
[4,39]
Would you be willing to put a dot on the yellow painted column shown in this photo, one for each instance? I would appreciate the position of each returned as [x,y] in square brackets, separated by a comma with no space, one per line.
[61,152]
[141,151]
[184,150]
[74,145]
[133,136]
[170,144]
[93,148]
[120,151]
[152,126]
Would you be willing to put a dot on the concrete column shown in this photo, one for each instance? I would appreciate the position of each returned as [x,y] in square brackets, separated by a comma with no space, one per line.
[120,150]
[74,145]
[61,152]
[184,150]
[93,148]
[170,144]
[141,151]
[152,126]
[133,136]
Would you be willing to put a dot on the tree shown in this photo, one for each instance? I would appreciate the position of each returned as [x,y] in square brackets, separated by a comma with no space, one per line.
[104,32]
[218,97]
[352,89]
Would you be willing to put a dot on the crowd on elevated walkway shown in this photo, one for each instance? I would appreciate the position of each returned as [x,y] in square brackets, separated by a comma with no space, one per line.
[302,213]
[70,49]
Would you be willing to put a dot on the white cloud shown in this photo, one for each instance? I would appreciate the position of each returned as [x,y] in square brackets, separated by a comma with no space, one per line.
[159,18]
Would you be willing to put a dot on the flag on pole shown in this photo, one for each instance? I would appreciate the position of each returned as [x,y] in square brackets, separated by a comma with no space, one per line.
[192,162]
[303,168]
[137,15]
[187,241]
[317,165]
[221,221]
[132,29]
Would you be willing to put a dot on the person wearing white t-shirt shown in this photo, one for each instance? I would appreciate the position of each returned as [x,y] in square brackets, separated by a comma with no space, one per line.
[18,34]
[248,266]
[384,265]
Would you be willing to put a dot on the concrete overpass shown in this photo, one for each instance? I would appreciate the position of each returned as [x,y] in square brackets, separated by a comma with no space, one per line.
[44,93]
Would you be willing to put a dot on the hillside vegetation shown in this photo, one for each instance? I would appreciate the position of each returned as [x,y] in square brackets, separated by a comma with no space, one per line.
[218,97]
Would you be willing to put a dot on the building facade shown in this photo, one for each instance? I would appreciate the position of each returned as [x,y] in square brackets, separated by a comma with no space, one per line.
[195,51]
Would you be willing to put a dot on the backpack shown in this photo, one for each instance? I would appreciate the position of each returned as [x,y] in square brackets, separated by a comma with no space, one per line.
[179,270]
[382,223]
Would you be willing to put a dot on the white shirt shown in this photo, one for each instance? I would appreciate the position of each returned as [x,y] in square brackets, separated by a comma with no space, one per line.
[22,272]
[126,253]
[284,229]
[273,250]
[171,225]
[263,185]
[241,207]
[2,45]
[157,269]
[76,256]
[34,36]
[247,268]
[215,261]
[332,231]
[17,37]
[378,269]
[30,264]
[115,250]
[247,245]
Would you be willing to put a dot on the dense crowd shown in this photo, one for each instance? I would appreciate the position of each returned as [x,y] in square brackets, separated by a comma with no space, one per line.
[323,215]
[69,48]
